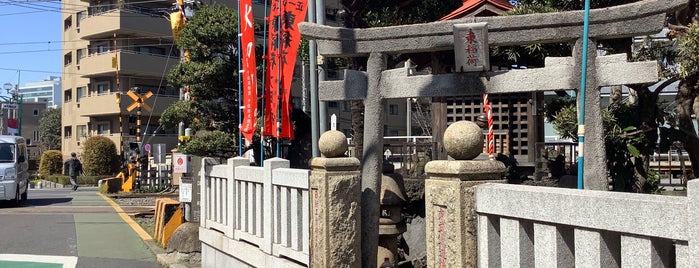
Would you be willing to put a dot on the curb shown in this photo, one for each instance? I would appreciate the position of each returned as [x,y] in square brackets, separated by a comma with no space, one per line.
[161,254]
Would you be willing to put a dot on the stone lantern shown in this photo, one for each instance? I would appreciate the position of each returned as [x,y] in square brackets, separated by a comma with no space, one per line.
[391,225]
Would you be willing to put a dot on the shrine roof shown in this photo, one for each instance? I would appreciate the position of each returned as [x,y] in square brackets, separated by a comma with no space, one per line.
[471,6]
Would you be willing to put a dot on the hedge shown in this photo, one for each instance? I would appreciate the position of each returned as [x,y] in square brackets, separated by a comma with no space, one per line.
[82,180]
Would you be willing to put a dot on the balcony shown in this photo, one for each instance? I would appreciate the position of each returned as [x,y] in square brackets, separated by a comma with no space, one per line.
[130,64]
[105,104]
[102,105]
[127,21]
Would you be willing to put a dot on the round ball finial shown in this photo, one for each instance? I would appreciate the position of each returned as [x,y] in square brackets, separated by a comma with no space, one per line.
[332,143]
[463,140]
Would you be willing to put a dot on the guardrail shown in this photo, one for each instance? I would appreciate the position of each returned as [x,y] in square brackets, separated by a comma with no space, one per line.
[266,208]
[528,226]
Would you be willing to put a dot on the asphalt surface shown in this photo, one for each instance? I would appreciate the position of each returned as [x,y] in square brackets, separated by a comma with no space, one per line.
[63,228]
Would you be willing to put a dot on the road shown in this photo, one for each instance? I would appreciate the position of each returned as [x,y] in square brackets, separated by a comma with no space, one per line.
[63,228]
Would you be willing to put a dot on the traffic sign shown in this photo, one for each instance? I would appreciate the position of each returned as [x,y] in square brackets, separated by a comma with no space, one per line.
[139,100]
[181,163]
[147,147]
[10,106]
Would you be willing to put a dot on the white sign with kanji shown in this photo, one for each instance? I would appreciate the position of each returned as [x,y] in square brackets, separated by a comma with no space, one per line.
[471,47]
[186,191]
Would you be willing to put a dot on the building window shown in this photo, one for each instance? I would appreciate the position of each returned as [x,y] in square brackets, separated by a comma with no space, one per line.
[332,104]
[102,88]
[35,135]
[67,58]
[79,93]
[68,95]
[78,17]
[103,128]
[67,132]
[346,106]
[36,112]
[67,23]
[79,54]
[393,109]
[81,131]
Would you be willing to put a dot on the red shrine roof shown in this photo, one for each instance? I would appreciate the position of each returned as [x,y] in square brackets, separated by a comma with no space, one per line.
[479,8]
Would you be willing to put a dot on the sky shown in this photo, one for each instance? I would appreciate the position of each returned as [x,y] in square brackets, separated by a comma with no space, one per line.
[30,43]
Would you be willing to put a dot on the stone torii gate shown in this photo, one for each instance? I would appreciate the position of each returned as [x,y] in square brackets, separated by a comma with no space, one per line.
[378,84]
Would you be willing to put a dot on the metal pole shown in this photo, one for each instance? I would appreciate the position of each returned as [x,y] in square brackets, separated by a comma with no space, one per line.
[138,138]
[322,107]
[240,92]
[313,55]
[279,81]
[581,97]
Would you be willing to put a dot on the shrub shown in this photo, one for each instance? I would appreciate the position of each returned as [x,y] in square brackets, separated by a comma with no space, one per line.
[51,163]
[99,157]
[60,179]
[88,180]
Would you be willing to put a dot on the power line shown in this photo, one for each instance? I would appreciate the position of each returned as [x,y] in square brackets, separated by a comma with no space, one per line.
[82,8]
[92,40]
[62,72]
[72,49]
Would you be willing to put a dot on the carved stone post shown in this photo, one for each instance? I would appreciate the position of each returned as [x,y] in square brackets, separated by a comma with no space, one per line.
[335,199]
[451,222]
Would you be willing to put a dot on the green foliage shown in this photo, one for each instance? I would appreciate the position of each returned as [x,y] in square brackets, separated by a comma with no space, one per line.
[180,111]
[389,13]
[50,129]
[65,180]
[100,156]
[689,51]
[88,180]
[213,144]
[652,185]
[626,145]
[572,4]
[211,75]
[555,105]
[51,163]
[566,122]
[531,55]
[60,179]
[104,189]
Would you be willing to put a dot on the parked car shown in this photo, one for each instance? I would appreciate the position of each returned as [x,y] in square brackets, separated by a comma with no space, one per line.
[14,169]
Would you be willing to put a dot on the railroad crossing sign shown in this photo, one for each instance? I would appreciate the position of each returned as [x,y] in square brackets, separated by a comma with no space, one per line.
[139,100]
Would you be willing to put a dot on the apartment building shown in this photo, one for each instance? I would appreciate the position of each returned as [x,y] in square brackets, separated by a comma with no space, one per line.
[112,47]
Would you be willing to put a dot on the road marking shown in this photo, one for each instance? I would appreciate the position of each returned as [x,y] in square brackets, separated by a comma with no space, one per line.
[65,261]
[137,228]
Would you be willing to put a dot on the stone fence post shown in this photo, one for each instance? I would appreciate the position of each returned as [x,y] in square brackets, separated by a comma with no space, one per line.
[451,222]
[335,199]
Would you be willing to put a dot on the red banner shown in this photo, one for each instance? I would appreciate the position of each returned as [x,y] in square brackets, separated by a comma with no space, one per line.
[272,72]
[284,39]
[248,74]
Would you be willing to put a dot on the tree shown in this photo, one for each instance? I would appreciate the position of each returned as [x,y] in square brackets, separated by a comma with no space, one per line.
[99,156]
[210,38]
[180,111]
[688,89]
[211,143]
[50,129]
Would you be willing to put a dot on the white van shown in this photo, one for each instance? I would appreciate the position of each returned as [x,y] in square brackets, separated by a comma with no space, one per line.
[14,175]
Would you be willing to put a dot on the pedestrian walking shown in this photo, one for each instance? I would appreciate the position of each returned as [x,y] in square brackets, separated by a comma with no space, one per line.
[73,168]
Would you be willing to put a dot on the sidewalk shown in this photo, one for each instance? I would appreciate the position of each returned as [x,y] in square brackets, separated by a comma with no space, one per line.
[166,259]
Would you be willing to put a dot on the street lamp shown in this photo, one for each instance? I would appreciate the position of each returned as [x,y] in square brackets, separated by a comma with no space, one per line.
[14,98]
